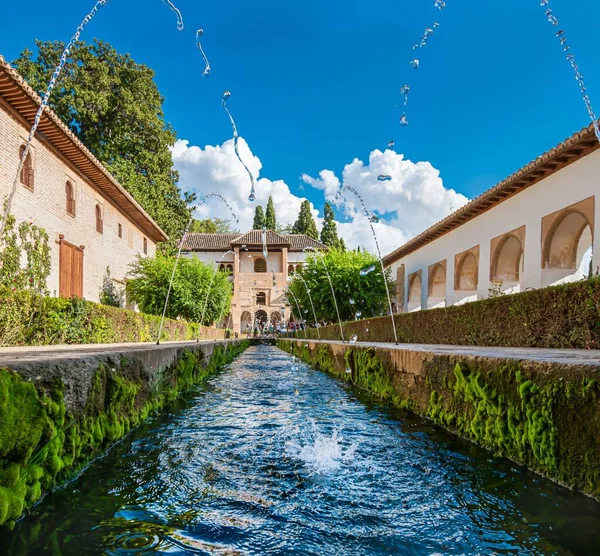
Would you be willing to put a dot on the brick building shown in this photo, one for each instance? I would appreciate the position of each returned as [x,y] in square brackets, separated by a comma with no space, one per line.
[259,284]
[92,222]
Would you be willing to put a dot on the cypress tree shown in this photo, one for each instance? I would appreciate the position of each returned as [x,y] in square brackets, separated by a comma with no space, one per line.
[270,218]
[329,235]
[259,218]
[306,223]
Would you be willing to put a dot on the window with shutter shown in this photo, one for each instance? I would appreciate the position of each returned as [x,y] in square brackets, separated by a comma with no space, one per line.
[27,170]
[99,226]
[70,193]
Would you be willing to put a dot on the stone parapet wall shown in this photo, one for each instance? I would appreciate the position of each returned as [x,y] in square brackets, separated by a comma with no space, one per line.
[545,416]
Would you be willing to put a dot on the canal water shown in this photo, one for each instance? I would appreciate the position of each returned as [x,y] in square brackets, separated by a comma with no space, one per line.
[272,457]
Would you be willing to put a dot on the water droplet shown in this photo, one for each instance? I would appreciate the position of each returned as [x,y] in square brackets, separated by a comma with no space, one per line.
[251,197]
[544,2]
[348,370]
[174,9]
[403,120]
[391,144]
[440,4]
[206,71]
[404,92]
[351,300]
[551,17]
[435,24]
[374,219]
[306,311]
[353,339]
[414,64]
[384,177]
[225,96]
[358,314]
[367,270]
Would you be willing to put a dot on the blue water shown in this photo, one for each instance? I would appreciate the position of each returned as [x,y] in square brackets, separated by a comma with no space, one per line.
[271,457]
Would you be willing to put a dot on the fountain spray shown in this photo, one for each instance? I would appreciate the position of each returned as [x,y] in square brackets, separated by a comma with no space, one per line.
[372,219]
[311,302]
[320,256]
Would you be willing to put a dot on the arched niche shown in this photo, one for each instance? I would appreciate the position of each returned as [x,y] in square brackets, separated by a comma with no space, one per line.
[436,291]
[414,291]
[260,265]
[466,270]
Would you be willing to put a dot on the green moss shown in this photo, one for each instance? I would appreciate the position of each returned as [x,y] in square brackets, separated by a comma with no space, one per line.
[42,444]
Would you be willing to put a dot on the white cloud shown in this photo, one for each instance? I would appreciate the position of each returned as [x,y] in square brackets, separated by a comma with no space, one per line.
[411,201]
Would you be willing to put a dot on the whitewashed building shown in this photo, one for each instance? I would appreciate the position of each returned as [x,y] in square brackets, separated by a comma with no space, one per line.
[534,229]
[92,222]
[259,284]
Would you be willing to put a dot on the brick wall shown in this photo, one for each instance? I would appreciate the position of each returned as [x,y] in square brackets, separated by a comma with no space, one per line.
[46,207]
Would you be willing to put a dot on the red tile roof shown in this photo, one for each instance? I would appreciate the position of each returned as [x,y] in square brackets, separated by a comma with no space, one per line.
[253,238]
[572,149]
[15,91]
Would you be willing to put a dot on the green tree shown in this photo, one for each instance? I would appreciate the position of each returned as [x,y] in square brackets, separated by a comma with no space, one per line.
[149,283]
[212,226]
[110,294]
[305,224]
[259,218]
[113,105]
[329,235]
[270,218]
[358,294]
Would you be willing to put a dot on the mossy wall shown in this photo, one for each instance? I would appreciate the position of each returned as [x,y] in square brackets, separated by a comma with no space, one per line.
[565,316]
[45,440]
[31,319]
[541,415]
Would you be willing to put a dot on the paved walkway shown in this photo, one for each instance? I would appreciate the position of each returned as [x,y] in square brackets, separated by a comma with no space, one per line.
[562,356]
[28,354]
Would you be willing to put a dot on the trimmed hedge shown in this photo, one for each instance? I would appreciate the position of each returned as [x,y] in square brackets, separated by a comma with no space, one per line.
[565,316]
[30,319]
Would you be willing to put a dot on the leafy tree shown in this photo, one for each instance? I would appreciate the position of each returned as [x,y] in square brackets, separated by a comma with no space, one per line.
[212,226]
[259,218]
[354,293]
[113,105]
[270,218]
[305,224]
[149,284]
[329,235]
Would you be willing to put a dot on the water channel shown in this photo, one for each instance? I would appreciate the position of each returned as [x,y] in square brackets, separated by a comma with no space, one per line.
[272,457]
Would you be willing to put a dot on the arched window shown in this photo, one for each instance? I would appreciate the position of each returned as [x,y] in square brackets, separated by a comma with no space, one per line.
[230,269]
[261,298]
[291,269]
[145,246]
[437,282]
[99,223]
[260,265]
[567,241]
[27,170]
[120,230]
[70,194]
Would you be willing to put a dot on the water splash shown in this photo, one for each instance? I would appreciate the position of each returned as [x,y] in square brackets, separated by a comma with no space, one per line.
[45,100]
[177,13]
[414,64]
[404,90]
[440,4]
[384,177]
[423,42]
[562,38]
[321,454]
[224,98]
[206,71]
[224,201]
[299,276]
[367,270]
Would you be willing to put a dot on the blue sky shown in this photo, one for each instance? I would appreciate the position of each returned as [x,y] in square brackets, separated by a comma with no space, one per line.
[314,84]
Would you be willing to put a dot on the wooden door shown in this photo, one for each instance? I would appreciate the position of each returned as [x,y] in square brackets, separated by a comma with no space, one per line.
[70,270]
